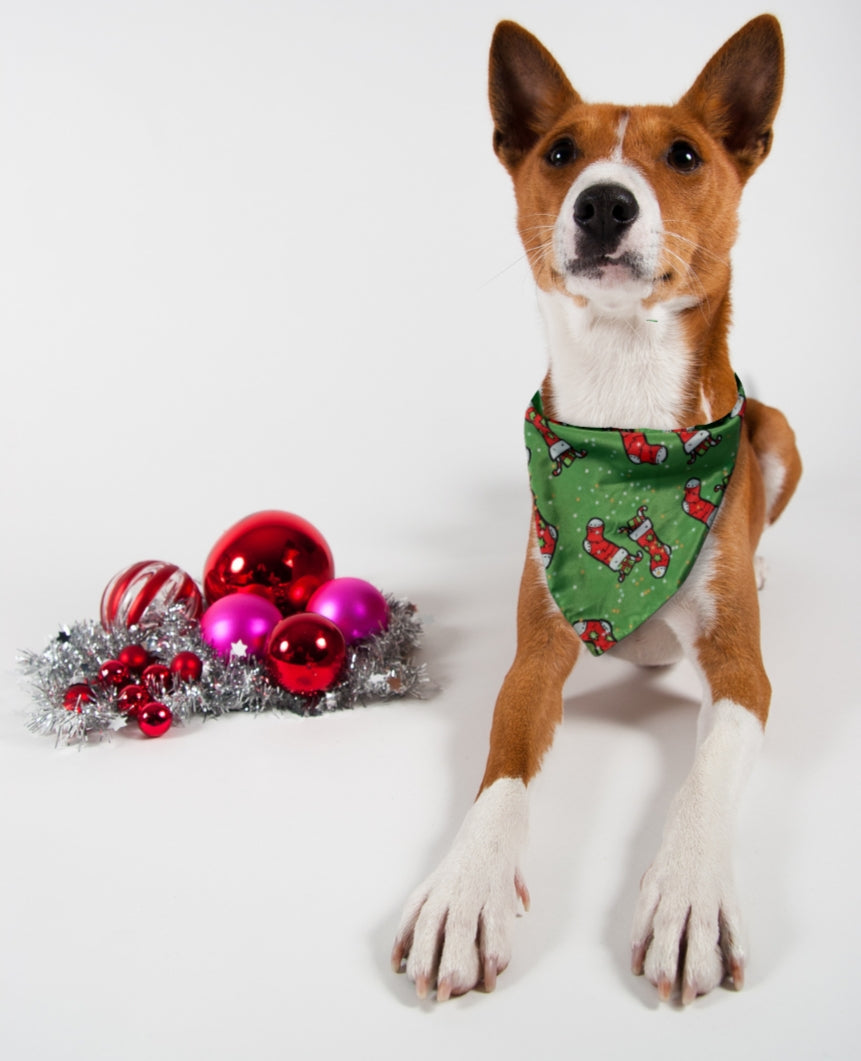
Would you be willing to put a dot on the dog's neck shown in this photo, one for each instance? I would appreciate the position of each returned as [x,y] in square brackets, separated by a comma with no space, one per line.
[662,366]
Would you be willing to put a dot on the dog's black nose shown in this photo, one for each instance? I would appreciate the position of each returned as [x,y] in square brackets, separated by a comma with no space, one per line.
[604,211]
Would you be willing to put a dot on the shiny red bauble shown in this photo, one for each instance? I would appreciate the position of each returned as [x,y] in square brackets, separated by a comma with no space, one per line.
[135,657]
[305,654]
[156,679]
[132,698]
[155,719]
[78,694]
[112,672]
[186,667]
[275,555]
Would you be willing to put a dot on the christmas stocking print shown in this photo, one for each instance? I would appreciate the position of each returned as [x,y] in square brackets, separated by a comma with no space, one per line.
[590,485]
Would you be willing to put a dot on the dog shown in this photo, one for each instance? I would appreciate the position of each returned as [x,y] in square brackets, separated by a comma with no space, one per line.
[627,216]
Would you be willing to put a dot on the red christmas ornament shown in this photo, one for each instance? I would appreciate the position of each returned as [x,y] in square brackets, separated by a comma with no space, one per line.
[112,672]
[76,695]
[155,719]
[156,679]
[135,657]
[276,555]
[132,698]
[143,592]
[186,667]
[306,653]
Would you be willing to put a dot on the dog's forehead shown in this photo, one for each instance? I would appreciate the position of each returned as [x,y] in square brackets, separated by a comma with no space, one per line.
[605,130]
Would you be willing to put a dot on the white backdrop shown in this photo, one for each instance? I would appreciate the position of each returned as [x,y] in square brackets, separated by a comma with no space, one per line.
[260,255]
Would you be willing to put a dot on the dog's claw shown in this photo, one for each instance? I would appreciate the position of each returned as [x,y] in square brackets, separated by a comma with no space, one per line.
[490,972]
[665,988]
[397,958]
[422,987]
[638,958]
[522,892]
[443,991]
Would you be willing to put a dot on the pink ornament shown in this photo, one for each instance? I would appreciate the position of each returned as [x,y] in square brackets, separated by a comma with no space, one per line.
[274,554]
[306,654]
[356,607]
[143,593]
[239,624]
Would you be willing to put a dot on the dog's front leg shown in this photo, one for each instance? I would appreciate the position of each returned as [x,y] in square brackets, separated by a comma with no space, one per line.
[687,927]
[456,927]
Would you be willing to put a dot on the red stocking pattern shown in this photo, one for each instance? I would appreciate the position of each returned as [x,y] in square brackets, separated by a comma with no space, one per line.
[641,531]
[695,504]
[640,450]
[614,556]
[561,452]
[596,633]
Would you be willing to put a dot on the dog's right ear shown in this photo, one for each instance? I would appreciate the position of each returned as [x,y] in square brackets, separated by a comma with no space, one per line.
[528,91]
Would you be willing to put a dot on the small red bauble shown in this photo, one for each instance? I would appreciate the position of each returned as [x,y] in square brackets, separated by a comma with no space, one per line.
[269,553]
[112,672]
[186,667]
[76,695]
[156,678]
[306,653]
[135,657]
[144,592]
[155,719]
[132,698]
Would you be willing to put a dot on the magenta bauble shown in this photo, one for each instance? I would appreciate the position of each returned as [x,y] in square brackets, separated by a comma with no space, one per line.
[272,554]
[306,654]
[356,607]
[239,625]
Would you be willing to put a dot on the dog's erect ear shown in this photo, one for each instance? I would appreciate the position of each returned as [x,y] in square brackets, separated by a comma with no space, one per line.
[737,94]
[528,91]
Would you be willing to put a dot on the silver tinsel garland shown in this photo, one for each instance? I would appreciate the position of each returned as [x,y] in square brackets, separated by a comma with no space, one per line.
[380,668]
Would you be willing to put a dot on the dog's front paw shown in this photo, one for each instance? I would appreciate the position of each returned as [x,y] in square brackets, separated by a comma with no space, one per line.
[456,928]
[687,929]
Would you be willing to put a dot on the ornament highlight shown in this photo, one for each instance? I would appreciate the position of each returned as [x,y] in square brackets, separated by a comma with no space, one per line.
[155,719]
[306,654]
[356,607]
[239,625]
[142,593]
[275,555]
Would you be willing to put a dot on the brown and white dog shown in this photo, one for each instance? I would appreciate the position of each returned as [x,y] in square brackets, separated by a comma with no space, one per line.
[628,215]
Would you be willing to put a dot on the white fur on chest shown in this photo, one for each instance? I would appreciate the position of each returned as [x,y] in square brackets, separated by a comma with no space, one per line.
[626,370]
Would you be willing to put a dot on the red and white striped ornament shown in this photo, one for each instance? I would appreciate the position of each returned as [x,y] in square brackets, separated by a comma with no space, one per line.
[143,592]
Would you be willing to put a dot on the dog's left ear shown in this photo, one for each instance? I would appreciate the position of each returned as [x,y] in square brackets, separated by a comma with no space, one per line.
[737,94]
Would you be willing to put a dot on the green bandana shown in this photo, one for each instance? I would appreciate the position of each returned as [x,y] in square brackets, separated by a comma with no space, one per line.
[622,515]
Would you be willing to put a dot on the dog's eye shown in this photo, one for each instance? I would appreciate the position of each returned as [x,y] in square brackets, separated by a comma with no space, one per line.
[683,157]
[562,152]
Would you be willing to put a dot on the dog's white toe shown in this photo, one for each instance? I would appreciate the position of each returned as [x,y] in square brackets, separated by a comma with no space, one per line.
[456,928]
